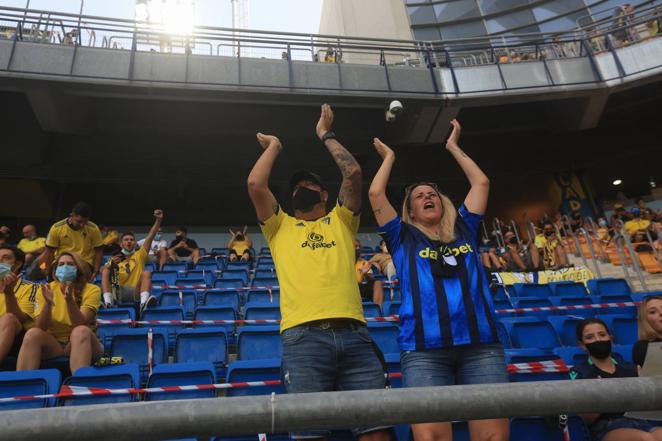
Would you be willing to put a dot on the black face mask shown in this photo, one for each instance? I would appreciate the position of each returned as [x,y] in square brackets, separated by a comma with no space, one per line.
[305,199]
[512,241]
[599,349]
[179,237]
[549,233]
[240,237]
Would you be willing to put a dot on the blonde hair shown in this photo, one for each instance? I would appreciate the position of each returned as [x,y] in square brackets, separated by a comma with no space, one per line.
[448,217]
[82,276]
[646,331]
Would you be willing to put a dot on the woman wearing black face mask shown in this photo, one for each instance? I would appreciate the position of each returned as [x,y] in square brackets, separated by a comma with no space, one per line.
[595,338]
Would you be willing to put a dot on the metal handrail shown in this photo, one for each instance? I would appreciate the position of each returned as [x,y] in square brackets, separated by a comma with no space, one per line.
[589,243]
[633,254]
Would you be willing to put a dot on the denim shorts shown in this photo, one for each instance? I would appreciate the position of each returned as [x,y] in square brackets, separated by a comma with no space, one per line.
[318,360]
[601,427]
[469,364]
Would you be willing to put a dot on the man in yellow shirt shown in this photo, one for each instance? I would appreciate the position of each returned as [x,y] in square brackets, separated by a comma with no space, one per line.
[126,270]
[326,344]
[75,234]
[31,244]
[637,223]
[17,298]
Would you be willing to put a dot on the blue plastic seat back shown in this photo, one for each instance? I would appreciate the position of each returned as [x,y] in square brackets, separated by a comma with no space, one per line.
[229,283]
[191,283]
[216,313]
[261,311]
[131,345]
[122,376]
[254,370]
[570,289]
[179,267]
[220,251]
[391,308]
[537,428]
[203,344]
[534,302]
[566,328]
[392,294]
[625,330]
[571,355]
[531,333]
[264,296]
[182,374]
[385,335]
[184,298]
[258,342]
[209,266]
[265,271]
[222,298]
[164,278]
[203,274]
[265,282]
[166,313]
[532,290]
[502,334]
[371,310]
[106,331]
[25,383]
[608,286]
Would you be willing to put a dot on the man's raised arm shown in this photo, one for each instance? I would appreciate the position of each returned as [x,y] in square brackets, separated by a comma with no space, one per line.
[258,180]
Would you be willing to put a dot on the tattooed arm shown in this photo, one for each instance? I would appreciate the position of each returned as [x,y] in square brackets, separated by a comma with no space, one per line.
[476,200]
[350,189]
[381,206]
[258,181]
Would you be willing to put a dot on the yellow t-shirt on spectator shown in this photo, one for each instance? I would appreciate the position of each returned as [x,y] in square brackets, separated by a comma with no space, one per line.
[26,295]
[30,246]
[82,242]
[315,265]
[240,247]
[110,237]
[132,267]
[632,226]
[61,327]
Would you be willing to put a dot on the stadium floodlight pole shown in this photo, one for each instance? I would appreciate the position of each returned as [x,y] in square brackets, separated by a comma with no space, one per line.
[157,420]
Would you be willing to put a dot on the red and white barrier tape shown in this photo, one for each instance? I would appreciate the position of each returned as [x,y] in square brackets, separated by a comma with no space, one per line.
[392,318]
[81,391]
[569,307]
[150,352]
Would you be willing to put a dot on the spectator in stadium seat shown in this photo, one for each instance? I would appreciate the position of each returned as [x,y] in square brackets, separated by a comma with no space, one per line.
[646,213]
[519,257]
[637,223]
[5,232]
[183,249]
[595,338]
[75,234]
[640,243]
[16,303]
[489,258]
[326,343]
[109,237]
[239,245]
[383,261]
[371,290]
[134,283]
[31,244]
[650,327]
[158,252]
[444,340]
[65,318]
[550,246]
[620,215]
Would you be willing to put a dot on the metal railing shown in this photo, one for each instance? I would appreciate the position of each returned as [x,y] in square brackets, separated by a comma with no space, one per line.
[329,410]
[48,27]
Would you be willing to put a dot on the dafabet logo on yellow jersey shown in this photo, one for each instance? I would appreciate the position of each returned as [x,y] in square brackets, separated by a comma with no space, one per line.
[316,241]
[430,253]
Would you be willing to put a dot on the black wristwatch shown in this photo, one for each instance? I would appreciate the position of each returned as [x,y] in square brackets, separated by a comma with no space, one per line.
[328,135]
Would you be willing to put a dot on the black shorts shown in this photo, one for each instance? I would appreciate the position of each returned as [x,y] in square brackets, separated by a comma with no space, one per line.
[16,347]
[366,290]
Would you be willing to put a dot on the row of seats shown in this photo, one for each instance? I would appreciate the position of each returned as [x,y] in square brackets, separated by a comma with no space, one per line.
[596,287]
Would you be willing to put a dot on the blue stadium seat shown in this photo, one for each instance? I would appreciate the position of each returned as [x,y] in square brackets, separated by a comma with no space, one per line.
[203,251]
[106,331]
[164,278]
[23,383]
[575,301]
[258,342]
[502,334]
[131,345]
[264,296]
[392,294]
[182,374]
[203,344]
[265,282]
[267,271]
[261,311]
[184,298]
[608,286]
[566,328]
[461,431]
[391,308]
[209,265]
[538,429]
[640,296]
[624,351]
[222,298]
[571,355]
[265,251]
[122,376]
[567,288]
[623,327]
[220,251]
[533,302]
[531,332]
[502,304]
[190,283]
[203,274]
[371,310]
[532,290]
[167,313]
[499,292]
[229,283]
[254,370]
[385,335]
[180,267]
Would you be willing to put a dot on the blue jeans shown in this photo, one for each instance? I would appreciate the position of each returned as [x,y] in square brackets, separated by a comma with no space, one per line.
[600,428]
[319,359]
[468,364]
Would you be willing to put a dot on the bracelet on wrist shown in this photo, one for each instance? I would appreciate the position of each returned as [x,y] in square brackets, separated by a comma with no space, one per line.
[328,135]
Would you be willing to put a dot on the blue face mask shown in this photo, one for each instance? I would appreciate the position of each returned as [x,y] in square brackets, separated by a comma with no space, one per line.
[157,237]
[66,273]
[127,253]
[4,270]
